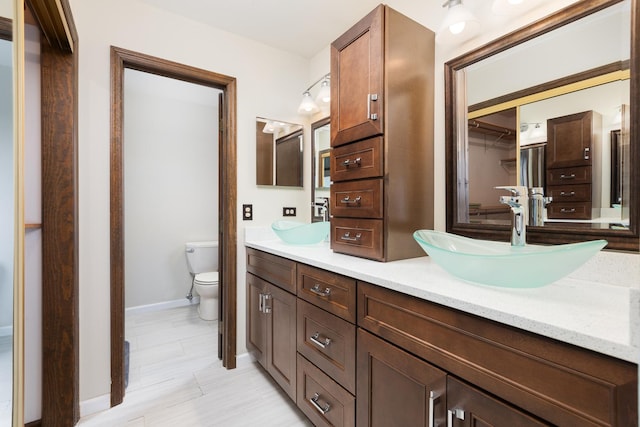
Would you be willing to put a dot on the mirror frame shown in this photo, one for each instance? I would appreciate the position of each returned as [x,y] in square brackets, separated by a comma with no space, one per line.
[617,239]
[314,165]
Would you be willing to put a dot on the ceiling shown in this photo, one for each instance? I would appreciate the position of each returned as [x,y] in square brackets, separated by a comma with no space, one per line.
[303,27]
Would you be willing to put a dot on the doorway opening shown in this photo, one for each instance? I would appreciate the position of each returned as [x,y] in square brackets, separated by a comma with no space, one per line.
[227,228]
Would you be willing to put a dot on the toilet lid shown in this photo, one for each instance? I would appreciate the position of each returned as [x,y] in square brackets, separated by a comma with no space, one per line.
[208,278]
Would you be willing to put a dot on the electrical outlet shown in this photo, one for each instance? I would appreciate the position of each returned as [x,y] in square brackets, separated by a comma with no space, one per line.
[288,211]
[247,212]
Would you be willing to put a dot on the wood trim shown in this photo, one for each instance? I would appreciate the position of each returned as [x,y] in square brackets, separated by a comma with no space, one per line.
[617,239]
[6,28]
[53,18]
[59,116]
[37,423]
[121,59]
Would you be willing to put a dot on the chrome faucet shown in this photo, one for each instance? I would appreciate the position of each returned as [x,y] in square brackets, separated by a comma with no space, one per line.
[518,202]
[324,208]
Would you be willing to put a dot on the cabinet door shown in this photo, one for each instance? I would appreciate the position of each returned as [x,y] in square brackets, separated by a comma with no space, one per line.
[281,337]
[569,140]
[357,81]
[256,318]
[395,388]
[467,406]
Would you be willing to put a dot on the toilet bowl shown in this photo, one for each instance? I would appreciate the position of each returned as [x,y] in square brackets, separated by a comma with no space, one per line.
[202,261]
[206,286]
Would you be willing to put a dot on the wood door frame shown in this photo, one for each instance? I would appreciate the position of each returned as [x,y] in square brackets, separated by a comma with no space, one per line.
[120,60]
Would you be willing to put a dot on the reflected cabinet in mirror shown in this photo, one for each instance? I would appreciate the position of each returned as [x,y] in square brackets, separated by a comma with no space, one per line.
[320,167]
[552,107]
[279,148]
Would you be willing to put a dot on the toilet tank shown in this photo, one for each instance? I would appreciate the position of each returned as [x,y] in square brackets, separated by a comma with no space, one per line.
[202,256]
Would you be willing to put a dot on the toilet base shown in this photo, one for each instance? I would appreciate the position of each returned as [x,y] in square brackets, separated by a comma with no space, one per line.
[208,308]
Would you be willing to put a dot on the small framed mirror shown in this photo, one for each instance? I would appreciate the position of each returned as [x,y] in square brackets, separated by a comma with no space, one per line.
[321,176]
[279,153]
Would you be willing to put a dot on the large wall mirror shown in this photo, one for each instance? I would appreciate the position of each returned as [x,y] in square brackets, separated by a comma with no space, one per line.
[279,150]
[551,106]
[320,168]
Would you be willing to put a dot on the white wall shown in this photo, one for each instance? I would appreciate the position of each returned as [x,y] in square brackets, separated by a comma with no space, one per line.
[270,83]
[33,237]
[171,182]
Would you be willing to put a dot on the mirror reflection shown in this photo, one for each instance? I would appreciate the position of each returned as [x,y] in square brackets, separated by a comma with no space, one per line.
[551,113]
[321,177]
[279,149]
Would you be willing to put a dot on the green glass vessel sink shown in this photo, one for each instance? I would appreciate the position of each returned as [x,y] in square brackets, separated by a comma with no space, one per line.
[298,233]
[500,264]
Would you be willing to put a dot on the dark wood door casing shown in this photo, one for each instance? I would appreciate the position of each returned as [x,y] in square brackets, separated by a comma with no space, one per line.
[121,59]
[59,145]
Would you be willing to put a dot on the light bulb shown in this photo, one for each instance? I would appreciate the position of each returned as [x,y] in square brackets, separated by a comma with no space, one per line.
[457,28]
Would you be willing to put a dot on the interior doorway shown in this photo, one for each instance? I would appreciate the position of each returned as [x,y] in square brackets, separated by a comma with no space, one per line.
[227,228]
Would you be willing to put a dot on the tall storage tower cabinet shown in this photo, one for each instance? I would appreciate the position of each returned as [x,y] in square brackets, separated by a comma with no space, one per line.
[382,136]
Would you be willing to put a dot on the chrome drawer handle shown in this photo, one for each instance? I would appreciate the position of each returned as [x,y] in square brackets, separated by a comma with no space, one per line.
[266,308]
[316,290]
[458,413]
[432,400]
[565,210]
[349,162]
[314,402]
[347,201]
[572,176]
[315,339]
[347,237]
[571,194]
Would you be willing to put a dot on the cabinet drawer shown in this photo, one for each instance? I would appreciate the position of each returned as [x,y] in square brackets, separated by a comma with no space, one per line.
[327,290]
[322,399]
[578,210]
[564,176]
[560,383]
[570,193]
[360,237]
[357,199]
[328,342]
[277,270]
[359,160]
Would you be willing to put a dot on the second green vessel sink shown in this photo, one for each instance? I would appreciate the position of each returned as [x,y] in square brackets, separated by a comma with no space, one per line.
[298,233]
[500,264]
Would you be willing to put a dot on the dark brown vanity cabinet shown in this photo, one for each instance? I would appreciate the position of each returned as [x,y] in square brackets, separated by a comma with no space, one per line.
[573,148]
[381,136]
[360,354]
[496,373]
[271,318]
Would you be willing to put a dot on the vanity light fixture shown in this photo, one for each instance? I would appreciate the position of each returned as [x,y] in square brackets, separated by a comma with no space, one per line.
[458,20]
[308,105]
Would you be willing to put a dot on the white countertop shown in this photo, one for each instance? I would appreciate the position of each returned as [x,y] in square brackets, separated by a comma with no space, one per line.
[592,315]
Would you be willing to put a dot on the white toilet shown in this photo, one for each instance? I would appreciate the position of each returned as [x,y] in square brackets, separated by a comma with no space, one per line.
[202,261]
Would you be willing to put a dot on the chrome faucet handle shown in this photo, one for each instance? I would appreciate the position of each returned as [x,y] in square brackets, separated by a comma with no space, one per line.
[516,190]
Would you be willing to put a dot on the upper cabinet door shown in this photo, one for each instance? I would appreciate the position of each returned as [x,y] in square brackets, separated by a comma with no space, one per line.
[357,80]
[571,139]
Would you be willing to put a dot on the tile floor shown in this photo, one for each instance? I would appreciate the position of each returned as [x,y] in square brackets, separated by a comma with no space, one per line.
[176,380]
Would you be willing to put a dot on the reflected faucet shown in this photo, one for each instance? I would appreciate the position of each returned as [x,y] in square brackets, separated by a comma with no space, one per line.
[518,202]
[324,208]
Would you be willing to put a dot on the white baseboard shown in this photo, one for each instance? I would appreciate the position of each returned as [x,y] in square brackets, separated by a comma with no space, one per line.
[244,359]
[5,331]
[162,305]
[95,405]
